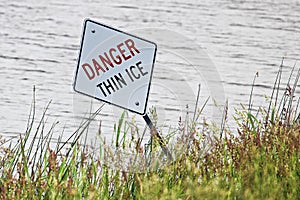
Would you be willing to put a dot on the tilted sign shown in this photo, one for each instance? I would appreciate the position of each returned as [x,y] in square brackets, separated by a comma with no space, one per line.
[115,67]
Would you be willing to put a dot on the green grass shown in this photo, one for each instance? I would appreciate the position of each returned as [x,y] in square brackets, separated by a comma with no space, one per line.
[261,161]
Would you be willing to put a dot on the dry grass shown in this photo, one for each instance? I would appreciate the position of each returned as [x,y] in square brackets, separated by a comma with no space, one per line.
[261,162]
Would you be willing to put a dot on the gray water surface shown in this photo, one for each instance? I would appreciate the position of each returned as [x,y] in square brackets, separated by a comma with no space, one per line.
[39,44]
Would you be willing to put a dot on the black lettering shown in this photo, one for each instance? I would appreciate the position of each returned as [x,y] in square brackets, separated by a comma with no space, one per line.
[120,80]
[131,70]
[141,68]
[99,85]
[112,80]
[126,70]
[109,85]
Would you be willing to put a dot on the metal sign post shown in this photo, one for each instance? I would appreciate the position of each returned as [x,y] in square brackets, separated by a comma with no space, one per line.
[116,67]
[155,134]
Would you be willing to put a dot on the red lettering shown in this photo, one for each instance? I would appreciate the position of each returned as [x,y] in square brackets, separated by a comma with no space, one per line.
[114,56]
[106,60]
[130,45]
[97,66]
[119,61]
[84,67]
[122,51]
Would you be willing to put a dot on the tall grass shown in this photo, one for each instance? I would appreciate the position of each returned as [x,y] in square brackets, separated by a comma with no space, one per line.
[261,161]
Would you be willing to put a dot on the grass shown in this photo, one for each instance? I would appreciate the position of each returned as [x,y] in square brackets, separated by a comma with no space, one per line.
[261,161]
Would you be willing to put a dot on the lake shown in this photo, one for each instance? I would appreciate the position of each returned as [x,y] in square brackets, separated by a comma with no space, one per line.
[218,44]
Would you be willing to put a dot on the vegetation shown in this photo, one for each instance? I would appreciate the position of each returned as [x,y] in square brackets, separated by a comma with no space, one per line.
[260,161]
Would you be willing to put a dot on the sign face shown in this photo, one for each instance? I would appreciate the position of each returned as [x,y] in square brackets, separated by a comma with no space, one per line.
[115,67]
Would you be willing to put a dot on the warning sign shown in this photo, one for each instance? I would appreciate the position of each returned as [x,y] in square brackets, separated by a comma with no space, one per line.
[115,67]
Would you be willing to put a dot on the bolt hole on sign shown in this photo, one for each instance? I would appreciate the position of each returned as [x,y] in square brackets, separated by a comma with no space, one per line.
[115,67]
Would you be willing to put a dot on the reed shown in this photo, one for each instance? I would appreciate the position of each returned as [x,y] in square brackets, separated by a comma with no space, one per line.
[261,161]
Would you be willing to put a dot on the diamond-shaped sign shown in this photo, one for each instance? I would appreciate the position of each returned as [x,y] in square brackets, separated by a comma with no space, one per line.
[115,67]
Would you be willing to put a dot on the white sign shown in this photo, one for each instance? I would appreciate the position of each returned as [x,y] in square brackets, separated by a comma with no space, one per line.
[115,67]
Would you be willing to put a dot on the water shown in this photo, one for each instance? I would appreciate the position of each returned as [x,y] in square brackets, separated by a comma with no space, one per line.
[40,42]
